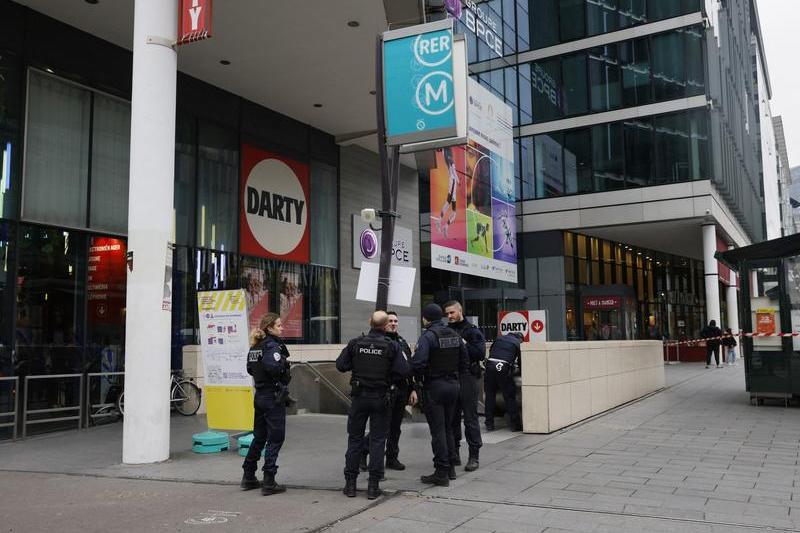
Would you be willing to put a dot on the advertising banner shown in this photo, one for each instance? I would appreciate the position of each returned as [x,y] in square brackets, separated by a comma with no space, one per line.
[532,324]
[290,301]
[472,195]
[224,340]
[256,286]
[106,281]
[194,20]
[367,244]
[274,206]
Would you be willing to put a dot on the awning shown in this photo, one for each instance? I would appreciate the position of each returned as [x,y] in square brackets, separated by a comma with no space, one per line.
[782,247]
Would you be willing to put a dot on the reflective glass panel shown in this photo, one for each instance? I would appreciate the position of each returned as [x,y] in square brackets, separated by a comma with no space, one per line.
[578,161]
[549,165]
[608,156]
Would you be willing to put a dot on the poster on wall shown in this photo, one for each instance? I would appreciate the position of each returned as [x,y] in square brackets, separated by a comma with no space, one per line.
[273,219]
[472,195]
[290,301]
[256,286]
[106,281]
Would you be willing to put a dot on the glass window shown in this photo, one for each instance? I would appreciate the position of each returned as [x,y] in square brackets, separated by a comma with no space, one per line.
[672,148]
[217,182]
[523,26]
[604,75]
[323,321]
[525,96]
[572,19]
[573,69]
[324,209]
[10,106]
[57,151]
[511,93]
[608,156]
[638,151]
[635,66]
[185,170]
[528,174]
[669,65]
[105,312]
[543,22]
[546,83]
[578,161]
[549,165]
[663,9]
[602,17]
[698,145]
[632,12]
[695,73]
[111,147]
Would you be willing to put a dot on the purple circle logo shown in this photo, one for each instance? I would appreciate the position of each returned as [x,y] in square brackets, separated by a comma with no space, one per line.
[368,243]
[454,8]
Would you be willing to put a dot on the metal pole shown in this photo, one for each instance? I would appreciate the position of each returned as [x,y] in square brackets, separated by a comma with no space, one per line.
[387,185]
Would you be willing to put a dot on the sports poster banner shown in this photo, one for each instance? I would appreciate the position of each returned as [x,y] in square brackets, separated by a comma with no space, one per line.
[472,195]
[224,340]
[290,302]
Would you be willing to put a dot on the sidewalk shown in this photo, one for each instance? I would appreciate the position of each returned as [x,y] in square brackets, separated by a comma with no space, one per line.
[694,457]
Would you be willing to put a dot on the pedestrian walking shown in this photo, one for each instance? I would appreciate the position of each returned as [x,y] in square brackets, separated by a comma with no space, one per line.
[401,395]
[712,335]
[504,355]
[267,362]
[438,359]
[469,381]
[729,346]
[375,361]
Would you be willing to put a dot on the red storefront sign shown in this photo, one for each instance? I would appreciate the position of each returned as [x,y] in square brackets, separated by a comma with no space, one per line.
[194,20]
[106,281]
[601,303]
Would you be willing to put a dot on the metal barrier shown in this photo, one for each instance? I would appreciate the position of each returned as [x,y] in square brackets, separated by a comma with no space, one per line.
[102,409]
[26,412]
[331,386]
[13,413]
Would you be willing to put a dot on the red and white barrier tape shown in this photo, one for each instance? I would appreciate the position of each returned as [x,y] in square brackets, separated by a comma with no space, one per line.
[740,334]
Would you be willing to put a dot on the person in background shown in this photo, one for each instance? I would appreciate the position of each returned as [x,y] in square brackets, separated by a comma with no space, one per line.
[712,335]
[729,346]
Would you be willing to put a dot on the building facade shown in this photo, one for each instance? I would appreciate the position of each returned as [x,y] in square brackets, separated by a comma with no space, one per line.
[790,224]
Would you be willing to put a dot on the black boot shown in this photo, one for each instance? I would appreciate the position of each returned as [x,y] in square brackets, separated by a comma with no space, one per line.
[249,481]
[438,478]
[394,464]
[472,463]
[373,488]
[270,487]
[451,473]
[349,487]
[456,459]
[490,425]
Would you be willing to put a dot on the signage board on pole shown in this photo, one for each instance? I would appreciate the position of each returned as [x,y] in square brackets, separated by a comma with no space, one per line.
[424,84]
[531,324]
[224,341]
[194,21]
[367,244]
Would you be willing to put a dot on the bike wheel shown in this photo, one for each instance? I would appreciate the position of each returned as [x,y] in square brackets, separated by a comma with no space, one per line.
[186,397]
[121,404]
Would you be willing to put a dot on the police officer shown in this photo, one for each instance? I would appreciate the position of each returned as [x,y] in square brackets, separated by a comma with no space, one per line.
[376,362]
[401,396]
[468,399]
[267,363]
[438,358]
[504,355]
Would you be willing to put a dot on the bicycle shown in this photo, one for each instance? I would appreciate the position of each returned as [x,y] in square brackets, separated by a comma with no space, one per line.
[184,395]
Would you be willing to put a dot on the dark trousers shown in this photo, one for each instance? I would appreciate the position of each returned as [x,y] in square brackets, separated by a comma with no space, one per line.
[440,397]
[367,405]
[503,381]
[467,407]
[709,349]
[269,428]
[396,416]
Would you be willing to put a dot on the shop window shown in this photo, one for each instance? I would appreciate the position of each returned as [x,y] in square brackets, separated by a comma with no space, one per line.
[10,103]
[578,161]
[791,266]
[765,308]
[105,308]
[325,215]
[111,146]
[573,69]
[217,187]
[323,304]
[608,157]
[7,285]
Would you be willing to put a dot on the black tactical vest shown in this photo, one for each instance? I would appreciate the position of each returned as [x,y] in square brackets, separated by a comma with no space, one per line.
[445,357]
[371,363]
[254,366]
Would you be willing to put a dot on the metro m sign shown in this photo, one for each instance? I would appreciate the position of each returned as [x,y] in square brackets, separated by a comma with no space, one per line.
[194,20]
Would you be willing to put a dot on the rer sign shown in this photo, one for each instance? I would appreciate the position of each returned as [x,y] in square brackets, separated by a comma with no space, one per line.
[422,83]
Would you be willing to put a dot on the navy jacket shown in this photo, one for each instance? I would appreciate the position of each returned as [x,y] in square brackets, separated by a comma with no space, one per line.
[506,348]
[425,345]
[476,343]
[400,368]
[274,359]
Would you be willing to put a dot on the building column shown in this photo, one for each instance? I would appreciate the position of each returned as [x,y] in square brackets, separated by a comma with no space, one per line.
[711,273]
[152,177]
[732,300]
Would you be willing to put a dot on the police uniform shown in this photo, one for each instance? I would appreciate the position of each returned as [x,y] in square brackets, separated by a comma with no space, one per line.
[267,363]
[503,355]
[468,398]
[375,362]
[439,357]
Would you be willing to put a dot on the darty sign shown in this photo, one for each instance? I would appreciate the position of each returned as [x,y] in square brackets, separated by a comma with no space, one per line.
[479,20]
[531,324]
[194,20]
[274,206]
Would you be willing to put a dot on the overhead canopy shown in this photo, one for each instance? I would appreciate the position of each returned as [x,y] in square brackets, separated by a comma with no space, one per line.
[785,246]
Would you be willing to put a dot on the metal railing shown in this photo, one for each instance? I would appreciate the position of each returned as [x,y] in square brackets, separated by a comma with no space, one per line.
[12,414]
[331,386]
[103,409]
[54,410]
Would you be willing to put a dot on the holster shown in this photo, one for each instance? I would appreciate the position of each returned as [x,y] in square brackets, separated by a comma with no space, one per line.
[391,396]
[355,388]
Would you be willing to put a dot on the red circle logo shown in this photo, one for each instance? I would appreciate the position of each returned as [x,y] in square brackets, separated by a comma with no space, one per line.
[537,326]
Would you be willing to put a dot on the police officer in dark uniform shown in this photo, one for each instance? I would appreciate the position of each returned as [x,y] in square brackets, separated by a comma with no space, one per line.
[376,362]
[267,363]
[439,357]
[401,395]
[468,399]
[504,355]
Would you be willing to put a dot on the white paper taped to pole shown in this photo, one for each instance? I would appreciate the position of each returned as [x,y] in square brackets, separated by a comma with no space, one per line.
[401,284]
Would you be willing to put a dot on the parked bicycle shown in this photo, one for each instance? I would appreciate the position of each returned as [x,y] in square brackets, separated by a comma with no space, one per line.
[184,396]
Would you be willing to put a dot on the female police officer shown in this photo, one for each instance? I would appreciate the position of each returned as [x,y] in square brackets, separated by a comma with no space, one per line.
[267,363]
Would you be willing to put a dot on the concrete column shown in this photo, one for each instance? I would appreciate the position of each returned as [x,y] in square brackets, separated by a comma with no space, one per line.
[152,176]
[732,300]
[711,273]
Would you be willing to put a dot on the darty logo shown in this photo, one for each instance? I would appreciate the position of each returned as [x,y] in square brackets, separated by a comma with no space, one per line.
[276,207]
